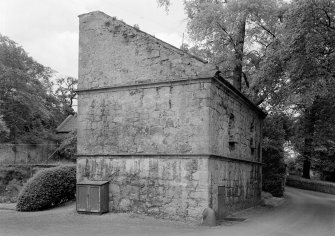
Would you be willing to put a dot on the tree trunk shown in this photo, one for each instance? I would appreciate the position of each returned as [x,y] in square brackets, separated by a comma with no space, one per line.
[239,36]
[14,148]
[308,142]
[307,158]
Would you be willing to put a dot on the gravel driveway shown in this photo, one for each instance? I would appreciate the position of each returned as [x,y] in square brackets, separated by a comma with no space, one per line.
[304,213]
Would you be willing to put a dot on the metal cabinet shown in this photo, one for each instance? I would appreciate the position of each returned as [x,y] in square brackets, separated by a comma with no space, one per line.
[93,197]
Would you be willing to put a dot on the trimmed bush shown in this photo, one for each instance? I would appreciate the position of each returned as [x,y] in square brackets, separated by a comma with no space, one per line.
[274,172]
[48,188]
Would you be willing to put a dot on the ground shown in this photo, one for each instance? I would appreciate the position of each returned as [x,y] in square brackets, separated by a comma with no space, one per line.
[303,213]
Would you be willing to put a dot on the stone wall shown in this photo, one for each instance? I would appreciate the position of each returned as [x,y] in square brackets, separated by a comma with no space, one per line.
[235,126]
[163,119]
[26,153]
[178,119]
[240,182]
[235,132]
[175,188]
[314,185]
[112,53]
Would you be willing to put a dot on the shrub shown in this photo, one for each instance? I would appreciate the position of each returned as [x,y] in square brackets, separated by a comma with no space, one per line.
[9,177]
[68,146]
[277,129]
[274,172]
[9,173]
[48,188]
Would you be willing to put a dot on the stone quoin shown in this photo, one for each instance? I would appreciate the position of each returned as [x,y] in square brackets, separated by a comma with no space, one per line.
[172,139]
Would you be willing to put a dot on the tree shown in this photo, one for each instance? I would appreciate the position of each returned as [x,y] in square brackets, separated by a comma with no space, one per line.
[308,59]
[28,108]
[3,127]
[287,52]
[233,34]
[277,130]
[68,146]
[323,149]
[66,93]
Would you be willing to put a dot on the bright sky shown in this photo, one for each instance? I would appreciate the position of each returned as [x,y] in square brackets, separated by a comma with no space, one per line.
[48,29]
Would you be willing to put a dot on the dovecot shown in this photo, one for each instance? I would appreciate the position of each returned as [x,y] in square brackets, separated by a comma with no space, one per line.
[172,139]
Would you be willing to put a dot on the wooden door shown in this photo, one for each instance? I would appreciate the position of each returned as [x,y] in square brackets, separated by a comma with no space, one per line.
[94,199]
[82,198]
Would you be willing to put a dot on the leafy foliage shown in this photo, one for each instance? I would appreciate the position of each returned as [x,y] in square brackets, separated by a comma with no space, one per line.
[28,108]
[48,188]
[11,181]
[235,35]
[308,56]
[274,172]
[66,93]
[322,119]
[308,49]
[68,146]
[286,50]
[10,173]
[277,129]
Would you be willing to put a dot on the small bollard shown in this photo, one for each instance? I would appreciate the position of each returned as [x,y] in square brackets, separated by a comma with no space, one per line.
[208,217]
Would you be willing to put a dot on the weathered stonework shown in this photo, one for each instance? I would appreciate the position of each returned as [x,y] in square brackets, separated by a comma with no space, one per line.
[175,188]
[147,58]
[171,139]
[162,119]
[241,184]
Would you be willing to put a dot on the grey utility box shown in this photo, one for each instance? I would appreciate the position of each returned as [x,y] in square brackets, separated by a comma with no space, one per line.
[93,197]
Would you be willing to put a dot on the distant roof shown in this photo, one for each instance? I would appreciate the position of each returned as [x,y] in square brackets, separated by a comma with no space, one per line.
[68,125]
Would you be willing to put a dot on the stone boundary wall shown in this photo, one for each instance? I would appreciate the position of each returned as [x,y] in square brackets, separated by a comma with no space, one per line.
[26,153]
[314,185]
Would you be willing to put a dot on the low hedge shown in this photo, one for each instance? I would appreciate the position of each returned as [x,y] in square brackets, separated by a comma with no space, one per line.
[308,184]
[48,188]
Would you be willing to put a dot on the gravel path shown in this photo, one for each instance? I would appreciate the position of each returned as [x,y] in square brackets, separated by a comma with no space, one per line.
[304,213]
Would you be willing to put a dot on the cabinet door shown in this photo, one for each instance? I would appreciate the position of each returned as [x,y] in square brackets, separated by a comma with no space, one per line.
[221,202]
[94,200]
[82,195]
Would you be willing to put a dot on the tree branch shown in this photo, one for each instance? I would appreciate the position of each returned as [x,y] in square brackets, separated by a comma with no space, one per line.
[267,30]
[245,79]
[224,30]
[260,100]
[327,25]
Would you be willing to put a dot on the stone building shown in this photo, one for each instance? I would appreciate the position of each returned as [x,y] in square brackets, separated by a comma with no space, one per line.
[172,139]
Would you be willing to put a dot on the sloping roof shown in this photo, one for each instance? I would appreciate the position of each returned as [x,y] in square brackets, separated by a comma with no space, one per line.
[68,125]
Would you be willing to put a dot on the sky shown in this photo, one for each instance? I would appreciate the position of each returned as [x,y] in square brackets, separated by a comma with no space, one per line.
[48,29]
